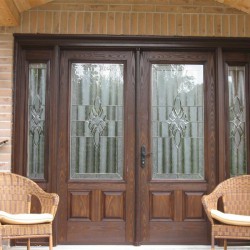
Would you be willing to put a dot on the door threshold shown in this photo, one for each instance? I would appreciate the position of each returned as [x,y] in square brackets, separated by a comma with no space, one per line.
[129,247]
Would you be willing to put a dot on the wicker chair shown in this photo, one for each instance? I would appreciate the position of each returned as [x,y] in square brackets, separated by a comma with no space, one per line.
[15,201]
[235,194]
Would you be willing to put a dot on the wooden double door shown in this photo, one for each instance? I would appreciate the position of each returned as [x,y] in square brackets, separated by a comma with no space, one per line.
[136,146]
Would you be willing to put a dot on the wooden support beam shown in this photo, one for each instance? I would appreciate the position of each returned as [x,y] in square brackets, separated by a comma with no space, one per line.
[243,5]
[22,5]
[9,14]
[10,10]
[34,3]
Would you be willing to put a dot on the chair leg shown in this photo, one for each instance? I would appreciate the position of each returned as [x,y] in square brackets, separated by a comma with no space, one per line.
[1,243]
[225,244]
[28,244]
[50,242]
[212,241]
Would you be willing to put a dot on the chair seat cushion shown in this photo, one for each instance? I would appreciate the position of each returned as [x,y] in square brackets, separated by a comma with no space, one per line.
[6,218]
[231,219]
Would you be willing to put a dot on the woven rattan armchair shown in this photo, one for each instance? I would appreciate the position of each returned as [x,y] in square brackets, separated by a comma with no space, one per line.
[234,222]
[16,221]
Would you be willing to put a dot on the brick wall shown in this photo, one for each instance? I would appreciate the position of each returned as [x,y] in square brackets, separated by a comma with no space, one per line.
[128,17]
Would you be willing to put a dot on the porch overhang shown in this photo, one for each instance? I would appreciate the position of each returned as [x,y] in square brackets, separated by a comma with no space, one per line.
[11,9]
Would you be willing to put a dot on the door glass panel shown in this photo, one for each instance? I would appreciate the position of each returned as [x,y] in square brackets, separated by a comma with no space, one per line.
[36,109]
[237,120]
[178,121]
[96,121]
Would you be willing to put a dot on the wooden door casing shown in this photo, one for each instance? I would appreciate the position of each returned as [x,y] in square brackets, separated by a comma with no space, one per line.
[158,203]
[232,58]
[97,211]
[170,210]
[20,147]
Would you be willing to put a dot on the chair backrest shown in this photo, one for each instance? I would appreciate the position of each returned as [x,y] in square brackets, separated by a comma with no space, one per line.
[15,191]
[235,193]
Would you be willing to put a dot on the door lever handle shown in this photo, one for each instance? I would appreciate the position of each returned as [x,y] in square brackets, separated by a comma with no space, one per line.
[143,156]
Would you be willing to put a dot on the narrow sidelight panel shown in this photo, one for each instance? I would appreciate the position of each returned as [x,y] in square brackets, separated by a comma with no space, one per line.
[36,116]
[237,120]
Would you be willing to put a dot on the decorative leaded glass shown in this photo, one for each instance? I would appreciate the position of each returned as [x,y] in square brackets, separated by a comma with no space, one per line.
[237,120]
[96,121]
[37,97]
[177,121]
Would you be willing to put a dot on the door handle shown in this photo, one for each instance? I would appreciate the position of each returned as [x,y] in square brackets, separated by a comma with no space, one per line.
[143,156]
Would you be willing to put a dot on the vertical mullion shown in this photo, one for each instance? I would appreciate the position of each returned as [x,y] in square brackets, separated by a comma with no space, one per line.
[222,115]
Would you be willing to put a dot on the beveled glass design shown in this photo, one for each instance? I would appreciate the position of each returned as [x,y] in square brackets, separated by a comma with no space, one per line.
[178,121]
[36,109]
[97,121]
[237,120]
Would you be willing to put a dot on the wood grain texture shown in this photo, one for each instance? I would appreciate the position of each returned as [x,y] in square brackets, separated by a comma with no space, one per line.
[80,204]
[111,206]
[162,206]
[243,5]
[156,211]
[192,203]
[114,205]
[10,10]
[10,15]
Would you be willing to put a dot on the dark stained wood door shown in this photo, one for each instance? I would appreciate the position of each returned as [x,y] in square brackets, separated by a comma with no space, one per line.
[135,156]
[96,147]
[176,117]
[103,104]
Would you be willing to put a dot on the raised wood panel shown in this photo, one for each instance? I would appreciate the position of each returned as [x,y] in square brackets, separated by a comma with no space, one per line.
[161,205]
[80,205]
[114,205]
[193,206]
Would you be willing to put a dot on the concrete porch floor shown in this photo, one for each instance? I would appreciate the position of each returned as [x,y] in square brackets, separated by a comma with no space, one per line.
[119,247]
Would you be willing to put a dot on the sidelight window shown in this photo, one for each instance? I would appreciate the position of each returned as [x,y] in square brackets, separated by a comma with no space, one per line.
[36,116]
[237,120]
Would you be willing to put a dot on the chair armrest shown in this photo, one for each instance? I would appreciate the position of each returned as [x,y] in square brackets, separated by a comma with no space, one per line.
[49,202]
[209,202]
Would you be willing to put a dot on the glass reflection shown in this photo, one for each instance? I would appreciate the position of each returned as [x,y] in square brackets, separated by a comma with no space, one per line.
[37,98]
[237,120]
[178,121]
[96,121]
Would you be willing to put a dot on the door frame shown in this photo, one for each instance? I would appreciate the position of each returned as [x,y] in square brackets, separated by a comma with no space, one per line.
[55,43]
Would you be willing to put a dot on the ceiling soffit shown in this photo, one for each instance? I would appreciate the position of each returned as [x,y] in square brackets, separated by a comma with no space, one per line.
[10,10]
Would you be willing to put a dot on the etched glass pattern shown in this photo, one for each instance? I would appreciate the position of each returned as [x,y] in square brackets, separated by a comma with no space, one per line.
[177,121]
[96,121]
[237,120]
[37,97]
